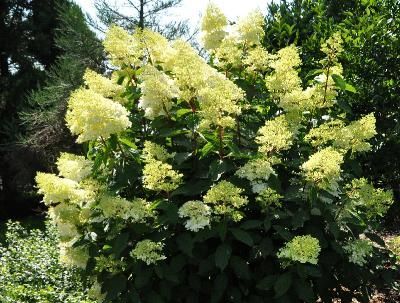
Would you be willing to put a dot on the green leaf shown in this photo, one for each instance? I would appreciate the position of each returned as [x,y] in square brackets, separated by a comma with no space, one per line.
[376,239]
[266,283]
[242,236]
[114,286]
[182,111]
[222,255]
[342,84]
[339,81]
[350,88]
[127,142]
[179,158]
[207,148]
[240,267]
[251,224]
[304,291]
[312,271]
[220,285]
[218,168]
[185,243]
[120,243]
[283,233]
[282,284]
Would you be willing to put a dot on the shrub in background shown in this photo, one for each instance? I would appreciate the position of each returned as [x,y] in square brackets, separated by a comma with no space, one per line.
[227,181]
[30,270]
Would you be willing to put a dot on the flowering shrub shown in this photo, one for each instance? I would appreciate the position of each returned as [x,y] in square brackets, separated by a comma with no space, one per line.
[227,181]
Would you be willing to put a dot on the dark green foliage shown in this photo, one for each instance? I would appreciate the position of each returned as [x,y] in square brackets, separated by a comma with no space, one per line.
[30,272]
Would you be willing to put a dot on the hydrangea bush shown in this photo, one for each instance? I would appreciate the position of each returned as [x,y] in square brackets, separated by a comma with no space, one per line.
[221,180]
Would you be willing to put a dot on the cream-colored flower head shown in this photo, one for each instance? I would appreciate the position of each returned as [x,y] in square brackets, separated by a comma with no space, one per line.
[198,215]
[275,135]
[251,28]
[302,249]
[225,199]
[91,116]
[323,168]
[74,167]
[148,251]
[102,85]
[55,189]
[116,207]
[213,27]
[122,47]
[158,90]
[159,176]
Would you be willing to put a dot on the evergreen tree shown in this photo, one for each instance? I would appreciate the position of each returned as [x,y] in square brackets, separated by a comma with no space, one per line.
[142,13]
[27,31]
[42,134]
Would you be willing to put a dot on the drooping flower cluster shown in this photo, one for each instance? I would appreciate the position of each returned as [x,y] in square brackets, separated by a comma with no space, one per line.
[158,90]
[303,249]
[74,167]
[102,85]
[91,116]
[285,84]
[148,251]
[70,200]
[116,207]
[158,175]
[323,168]
[257,171]
[55,189]
[198,215]
[351,137]
[358,251]
[225,199]
[373,202]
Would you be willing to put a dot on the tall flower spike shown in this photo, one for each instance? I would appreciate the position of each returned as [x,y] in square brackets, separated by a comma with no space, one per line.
[219,101]
[91,116]
[122,47]
[213,25]
[251,28]
[285,78]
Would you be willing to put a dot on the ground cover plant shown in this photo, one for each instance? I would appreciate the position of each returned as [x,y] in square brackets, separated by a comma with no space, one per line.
[229,179]
[30,270]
